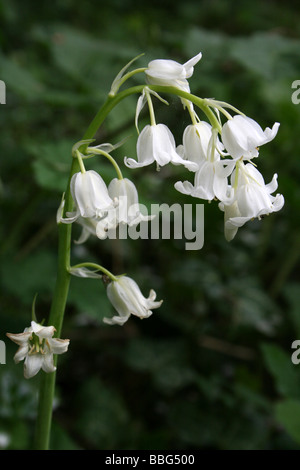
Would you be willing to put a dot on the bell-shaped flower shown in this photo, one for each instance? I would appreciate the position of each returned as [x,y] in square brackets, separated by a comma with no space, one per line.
[37,347]
[156,143]
[242,136]
[127,298]
[127,211]
[210,180]
[252,198]
[171,73]
[90,196]
[197,141]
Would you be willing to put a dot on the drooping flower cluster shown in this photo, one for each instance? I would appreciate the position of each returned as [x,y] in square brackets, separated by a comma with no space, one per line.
[223,174]
[218,154]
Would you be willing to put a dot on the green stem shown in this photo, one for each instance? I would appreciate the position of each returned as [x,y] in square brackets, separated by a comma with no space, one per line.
[126,77]
[151,109]
[81,164]
[110,158]
[47,385]
[191,113]
[112,101]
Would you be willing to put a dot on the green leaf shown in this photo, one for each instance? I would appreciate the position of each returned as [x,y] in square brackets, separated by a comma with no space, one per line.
[267,55]
[166,361]
[89,297]
[253,306]
[103,420]
[291,292]
[287,413]
[19,79]
[60,440]
[17,280]
[87,59]
[52,163]
[284,372]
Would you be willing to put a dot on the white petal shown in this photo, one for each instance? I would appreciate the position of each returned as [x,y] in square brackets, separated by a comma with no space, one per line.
[42,331]
[85,234]
[184,187]
[270,134]
[32,365]
[220,188]
[230,231]
[140,104]
[237,221]
[131,163]
[117,300]
[20,338]
[131,294]
[273,185]
[204,180]
[189,65]
[71,217]
[151,302]
[58,346]
[47,364]
[21,353]
[164,70]
[116,320]
[177,160]
[163,144]
[278,202]
[88,228]
[230,211]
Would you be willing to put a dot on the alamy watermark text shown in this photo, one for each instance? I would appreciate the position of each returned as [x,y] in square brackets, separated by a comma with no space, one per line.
[2,92]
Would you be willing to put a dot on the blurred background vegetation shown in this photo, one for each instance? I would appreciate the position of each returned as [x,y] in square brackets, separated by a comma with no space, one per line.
[211,369]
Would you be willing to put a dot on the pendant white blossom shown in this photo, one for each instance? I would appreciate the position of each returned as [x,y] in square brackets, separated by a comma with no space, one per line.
[156,143]
[211,179]
[210,182]
[171,73]
[90,196]
[252,199]
[126,297]
[242,136]
[195,140]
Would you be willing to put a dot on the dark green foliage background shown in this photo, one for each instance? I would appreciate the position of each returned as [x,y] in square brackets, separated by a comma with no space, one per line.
[211,369]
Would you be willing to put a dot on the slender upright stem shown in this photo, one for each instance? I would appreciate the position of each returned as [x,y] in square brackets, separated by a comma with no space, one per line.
[47,384]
